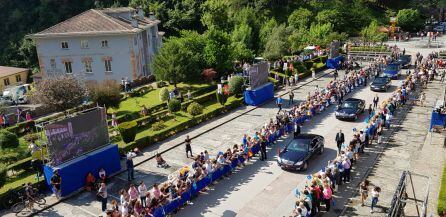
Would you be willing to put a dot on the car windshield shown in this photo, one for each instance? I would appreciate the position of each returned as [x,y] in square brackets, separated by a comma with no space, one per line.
[349,104]
[298,145]
[380,80]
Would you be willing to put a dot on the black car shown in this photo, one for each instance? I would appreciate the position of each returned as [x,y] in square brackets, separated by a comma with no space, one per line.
[380,84]
[297,153]
[350,109]
[404,60]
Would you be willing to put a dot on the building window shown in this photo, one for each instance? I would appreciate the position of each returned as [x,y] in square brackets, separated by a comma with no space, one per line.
[108,67]
[53,63]
[18,78]
[6,81]
[84,44]
[88,68]
[68,68]
[104,43]
[64,45]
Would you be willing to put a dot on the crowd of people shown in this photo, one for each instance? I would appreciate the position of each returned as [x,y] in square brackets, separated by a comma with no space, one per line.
[140,201]
[321,186]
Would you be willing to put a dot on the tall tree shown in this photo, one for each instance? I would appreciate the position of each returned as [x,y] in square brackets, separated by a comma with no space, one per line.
[300,18]
[217,50]
[60,92]
[277,44]
[409,19]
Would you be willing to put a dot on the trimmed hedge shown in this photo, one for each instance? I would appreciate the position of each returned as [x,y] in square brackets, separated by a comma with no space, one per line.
[22,128]
[3,171]
[128,131]
[441,208]
[8,140]
[170,131]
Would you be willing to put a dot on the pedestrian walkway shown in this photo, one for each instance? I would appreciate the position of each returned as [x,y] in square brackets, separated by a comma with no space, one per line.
[409,147]
[214,135]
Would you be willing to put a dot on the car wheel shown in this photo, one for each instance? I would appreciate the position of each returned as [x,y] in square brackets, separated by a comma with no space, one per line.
[305,166]
[322,150]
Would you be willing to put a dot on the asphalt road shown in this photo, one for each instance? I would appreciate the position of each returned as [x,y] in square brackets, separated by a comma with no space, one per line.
[264,189]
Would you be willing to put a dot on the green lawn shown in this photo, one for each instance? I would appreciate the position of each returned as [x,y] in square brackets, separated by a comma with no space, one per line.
[151,98]
[18,180]
[442,195]
[180,117]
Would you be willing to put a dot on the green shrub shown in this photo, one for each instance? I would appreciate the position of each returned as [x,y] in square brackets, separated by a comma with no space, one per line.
[308,64]
[107,93]
[31,137]
[158,126]
[236,85]
[8,140]
[174,105]
[9,157]
[164,94]
[128,131]
[195,109]
[161,84]
[3,171]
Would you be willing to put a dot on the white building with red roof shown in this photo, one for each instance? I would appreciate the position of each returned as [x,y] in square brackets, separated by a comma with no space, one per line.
[99,44]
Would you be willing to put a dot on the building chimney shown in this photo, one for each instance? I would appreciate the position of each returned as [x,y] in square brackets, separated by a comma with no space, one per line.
[134,21]
[152,16]
[140,12]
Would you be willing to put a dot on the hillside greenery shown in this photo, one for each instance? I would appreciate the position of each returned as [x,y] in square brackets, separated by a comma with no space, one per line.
[222,30]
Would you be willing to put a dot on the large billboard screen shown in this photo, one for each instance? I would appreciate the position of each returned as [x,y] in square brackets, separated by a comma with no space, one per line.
[75,136]
[258,74]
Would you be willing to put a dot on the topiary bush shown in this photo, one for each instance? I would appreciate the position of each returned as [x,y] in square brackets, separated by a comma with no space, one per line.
[164,94]
[236,85]
[8,140]
[174,105]
[158,126]
[128,131]
[195,109]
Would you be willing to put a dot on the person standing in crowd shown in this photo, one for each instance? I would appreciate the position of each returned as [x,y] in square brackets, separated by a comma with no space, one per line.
[375,101]
[187,141]
[296,129]
[114,121]
[142,189]
[422,99]
[189,95]
[335,74]
[28,116]
[56,181]
[327,194]
[262,150]
[279,103]
[375,196]
[364,191]
[291,95]
[339,140]
[346,164]
[130,166]
[102,193]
